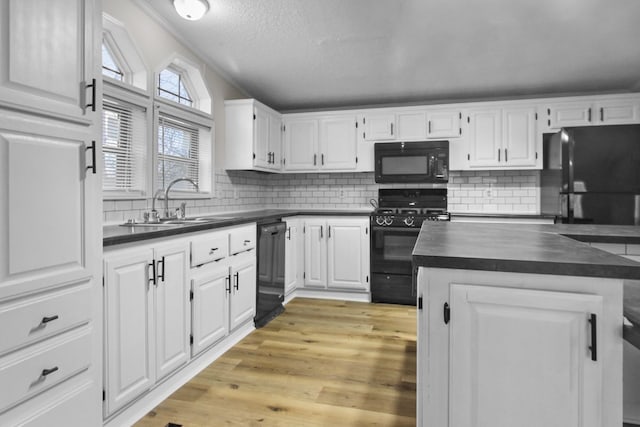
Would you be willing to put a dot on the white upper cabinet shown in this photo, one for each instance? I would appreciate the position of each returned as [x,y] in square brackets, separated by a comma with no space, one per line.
[48,57]
[502,138]
[593,111]
[444,124]
[320,143]
[300,144]
[379,127]
[485,140]
[338,142]
[253,136]
[411,125]
[519,137]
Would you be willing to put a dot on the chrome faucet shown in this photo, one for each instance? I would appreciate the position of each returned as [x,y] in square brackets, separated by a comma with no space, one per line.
[166,193]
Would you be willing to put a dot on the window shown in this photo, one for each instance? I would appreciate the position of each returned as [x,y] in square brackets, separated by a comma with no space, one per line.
[171,85]
[178,149]
[123,147]
[109,66]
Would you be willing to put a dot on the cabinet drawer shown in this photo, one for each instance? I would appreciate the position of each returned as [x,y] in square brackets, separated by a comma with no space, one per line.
[27,320]
[209,248]
[242,239]
[42,366]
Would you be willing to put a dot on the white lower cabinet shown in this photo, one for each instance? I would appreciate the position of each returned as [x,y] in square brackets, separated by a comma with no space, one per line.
[210,306]
[242,306]
[336,254]
[293,249]
[499,349]
[147,319]
[499,335]
[167,302]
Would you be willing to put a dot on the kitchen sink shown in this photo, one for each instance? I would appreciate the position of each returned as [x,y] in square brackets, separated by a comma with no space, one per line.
[172,222]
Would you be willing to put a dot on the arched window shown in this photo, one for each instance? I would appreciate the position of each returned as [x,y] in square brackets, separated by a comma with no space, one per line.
[183,127]
[125,115]
[110,67]
[172,85]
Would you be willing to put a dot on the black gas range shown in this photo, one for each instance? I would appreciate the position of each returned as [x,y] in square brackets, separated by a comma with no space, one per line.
[395,225]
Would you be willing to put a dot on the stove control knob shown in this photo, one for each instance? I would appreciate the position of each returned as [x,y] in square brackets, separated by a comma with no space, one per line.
[409,221]
[380,220]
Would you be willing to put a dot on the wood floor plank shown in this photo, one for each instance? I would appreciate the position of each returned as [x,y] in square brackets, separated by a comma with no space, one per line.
[320,363]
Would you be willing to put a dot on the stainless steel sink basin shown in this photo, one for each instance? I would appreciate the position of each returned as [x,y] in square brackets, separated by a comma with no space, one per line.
[172,222]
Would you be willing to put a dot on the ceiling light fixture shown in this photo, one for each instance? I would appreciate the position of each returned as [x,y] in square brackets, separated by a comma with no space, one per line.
[191,9]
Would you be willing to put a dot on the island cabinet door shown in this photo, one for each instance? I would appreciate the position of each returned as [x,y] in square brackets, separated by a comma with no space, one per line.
[524,358]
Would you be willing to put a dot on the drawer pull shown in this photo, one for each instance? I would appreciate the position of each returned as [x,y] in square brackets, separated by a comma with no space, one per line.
[46,372]
[246,242]
[212,251]
[48,319]
[237,284]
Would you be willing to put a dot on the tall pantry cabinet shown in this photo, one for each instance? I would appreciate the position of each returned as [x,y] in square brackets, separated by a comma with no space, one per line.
[50,213]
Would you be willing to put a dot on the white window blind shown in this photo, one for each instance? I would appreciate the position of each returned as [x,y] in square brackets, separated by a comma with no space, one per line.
[178,153]
[123,146]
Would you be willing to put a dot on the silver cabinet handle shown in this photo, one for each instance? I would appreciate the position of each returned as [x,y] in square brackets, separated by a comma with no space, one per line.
[329,232]
[321,236]
[506,158]
[322,159]
[237,285]
[315,156]
[498,154]
[391,128]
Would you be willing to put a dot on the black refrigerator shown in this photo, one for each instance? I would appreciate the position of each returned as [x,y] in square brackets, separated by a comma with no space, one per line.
[591,175]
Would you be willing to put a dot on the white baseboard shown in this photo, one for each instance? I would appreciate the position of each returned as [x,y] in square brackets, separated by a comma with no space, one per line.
[334,295]
[145,403]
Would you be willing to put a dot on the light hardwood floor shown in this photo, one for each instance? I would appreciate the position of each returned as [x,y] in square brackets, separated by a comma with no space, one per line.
[320,363]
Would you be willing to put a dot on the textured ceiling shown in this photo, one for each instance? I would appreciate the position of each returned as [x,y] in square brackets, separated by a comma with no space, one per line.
[303,54]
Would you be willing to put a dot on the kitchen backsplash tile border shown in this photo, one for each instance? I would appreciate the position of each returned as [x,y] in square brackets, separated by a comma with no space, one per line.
[513,192]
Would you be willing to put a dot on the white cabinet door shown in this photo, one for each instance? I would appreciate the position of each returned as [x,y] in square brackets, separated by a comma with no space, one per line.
[570,114]
[47,56]
[275,141]
[261,138]
[50,222]
[211,288]
[243,289]
[172,316]
[412,126]
[301,144]
[499,336]
[315,254]
[128,327]
[444,124]
[484,137]
[348,254]
[338,143]
[617,112]
[519,137]
[379,127]
[291,247]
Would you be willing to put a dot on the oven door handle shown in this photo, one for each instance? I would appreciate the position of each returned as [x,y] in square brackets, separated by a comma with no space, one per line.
[406,230]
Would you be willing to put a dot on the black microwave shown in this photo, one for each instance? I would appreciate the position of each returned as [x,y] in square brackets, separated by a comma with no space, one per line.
[420,161]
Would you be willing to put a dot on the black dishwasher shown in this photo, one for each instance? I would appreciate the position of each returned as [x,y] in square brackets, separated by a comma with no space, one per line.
[270,292]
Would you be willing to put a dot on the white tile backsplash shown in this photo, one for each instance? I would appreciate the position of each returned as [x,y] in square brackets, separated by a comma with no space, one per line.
[468,191]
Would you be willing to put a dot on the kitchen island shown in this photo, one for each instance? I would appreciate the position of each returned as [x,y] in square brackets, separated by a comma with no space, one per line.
[520,324]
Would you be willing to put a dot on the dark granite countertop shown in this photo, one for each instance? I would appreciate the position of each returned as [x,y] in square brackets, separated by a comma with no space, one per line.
[118,234]
[531,248]
[502,215]
[526,248]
